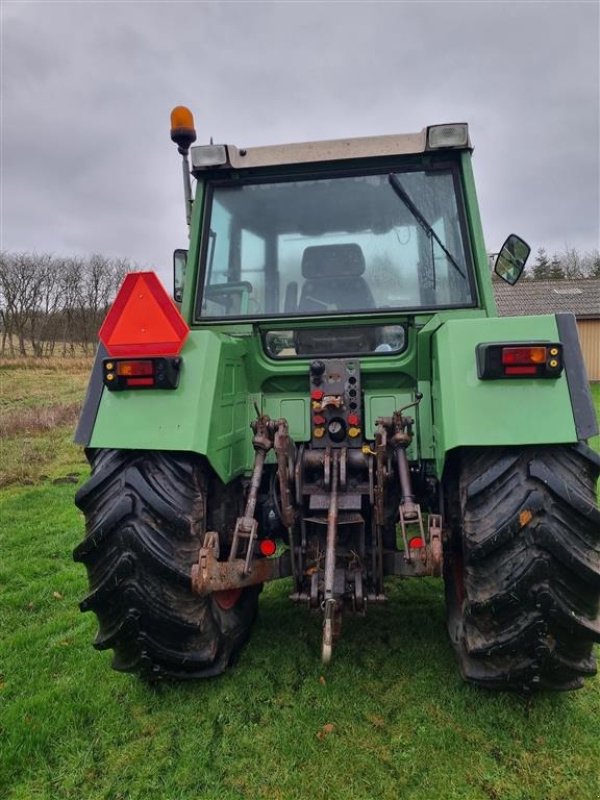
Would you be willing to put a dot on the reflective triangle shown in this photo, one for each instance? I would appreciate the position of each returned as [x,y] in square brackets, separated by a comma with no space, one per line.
[143,319]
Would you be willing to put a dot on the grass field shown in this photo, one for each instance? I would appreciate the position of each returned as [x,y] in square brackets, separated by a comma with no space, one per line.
[389,718]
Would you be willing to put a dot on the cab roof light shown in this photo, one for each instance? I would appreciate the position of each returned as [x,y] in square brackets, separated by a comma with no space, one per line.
[209,155]
[453,135]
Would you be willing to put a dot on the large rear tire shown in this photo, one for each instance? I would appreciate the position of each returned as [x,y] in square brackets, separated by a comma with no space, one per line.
[145,520]
[522,569]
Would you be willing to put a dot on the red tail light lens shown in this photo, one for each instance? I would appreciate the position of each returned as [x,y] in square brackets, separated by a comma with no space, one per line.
[520,371]
[139,382]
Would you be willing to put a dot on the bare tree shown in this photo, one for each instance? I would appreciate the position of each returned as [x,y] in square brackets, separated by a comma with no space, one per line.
[571,262]
[46,300]
[21,288]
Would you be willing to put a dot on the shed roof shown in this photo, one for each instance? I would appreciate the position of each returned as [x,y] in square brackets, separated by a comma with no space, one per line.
[580,296]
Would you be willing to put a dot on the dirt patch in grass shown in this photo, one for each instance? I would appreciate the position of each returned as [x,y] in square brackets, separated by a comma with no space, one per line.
[38,420]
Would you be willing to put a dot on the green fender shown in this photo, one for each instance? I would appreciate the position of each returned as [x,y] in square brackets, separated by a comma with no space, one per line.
[207,413]
[468,411]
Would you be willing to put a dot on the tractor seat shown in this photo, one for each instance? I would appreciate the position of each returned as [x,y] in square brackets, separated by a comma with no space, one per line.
[333,279]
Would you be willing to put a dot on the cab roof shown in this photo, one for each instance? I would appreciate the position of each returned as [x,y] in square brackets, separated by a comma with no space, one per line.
[333,150]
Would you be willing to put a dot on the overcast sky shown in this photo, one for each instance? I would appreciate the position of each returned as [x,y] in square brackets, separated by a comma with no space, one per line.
[87,88]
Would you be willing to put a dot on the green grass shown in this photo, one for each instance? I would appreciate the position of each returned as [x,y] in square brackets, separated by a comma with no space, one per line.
[33,393]
[404,725]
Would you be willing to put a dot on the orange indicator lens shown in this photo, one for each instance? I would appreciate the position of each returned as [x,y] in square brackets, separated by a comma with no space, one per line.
[135,368]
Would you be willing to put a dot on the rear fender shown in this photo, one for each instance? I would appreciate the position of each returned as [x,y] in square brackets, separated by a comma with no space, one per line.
[207,413]
[468,411]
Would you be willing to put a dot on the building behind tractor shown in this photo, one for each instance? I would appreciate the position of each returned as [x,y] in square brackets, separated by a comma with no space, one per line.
[333,399]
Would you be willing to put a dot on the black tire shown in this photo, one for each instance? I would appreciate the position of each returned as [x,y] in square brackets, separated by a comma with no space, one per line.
[522,570]
[145,521]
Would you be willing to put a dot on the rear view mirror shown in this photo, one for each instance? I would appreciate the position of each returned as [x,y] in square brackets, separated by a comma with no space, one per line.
[511,259]
[179,262]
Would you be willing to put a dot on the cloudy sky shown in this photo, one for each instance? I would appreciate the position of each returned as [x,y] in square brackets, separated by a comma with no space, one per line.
[87,87]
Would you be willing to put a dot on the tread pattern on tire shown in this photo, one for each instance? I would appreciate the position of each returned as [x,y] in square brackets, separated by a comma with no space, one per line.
[527,613]
[144,527]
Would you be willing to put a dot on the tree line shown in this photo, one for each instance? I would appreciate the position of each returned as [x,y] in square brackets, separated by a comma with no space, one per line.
[570,263]
[54,305]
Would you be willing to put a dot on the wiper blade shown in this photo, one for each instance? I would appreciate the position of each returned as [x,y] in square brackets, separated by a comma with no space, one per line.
[401,192]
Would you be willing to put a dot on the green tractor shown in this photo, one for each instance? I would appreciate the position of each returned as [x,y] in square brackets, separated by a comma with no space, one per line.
[330,397]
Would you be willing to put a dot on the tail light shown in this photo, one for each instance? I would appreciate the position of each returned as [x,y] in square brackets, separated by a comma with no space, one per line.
[416,543]
[267,547]
[140,373]
[519,360]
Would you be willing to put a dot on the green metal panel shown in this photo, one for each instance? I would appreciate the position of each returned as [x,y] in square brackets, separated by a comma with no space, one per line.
[188,300]
[480,256]
[424,420]
[207,413]
[294,408]
[469,411]
[382,403]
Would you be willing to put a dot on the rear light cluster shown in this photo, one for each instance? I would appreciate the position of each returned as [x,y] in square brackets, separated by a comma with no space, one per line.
[140,373]
[519,360]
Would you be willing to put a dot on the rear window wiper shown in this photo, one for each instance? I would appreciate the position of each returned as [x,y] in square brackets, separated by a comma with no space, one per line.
[402,194]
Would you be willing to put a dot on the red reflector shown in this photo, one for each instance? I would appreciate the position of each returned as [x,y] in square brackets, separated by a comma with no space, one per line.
[267,547]
[520,370]
[143,320]
[318,419]
[227,598]
[135,368]
[523,355]
[139,381]
[316,394]
[415,543]
[353,419]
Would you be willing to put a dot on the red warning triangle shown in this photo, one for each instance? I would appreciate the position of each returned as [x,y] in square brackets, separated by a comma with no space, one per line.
[143,320]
